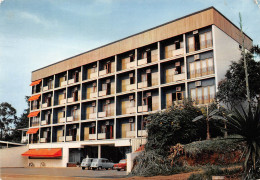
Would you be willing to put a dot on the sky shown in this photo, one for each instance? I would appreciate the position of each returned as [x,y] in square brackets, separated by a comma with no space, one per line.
[34,34]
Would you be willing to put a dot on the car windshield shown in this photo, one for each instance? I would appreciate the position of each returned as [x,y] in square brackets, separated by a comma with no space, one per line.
[122,161]
[95,160]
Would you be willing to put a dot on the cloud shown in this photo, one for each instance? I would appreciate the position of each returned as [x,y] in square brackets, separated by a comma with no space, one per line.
[33,18]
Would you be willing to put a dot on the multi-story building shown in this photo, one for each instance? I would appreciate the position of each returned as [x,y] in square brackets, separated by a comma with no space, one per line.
[95,104]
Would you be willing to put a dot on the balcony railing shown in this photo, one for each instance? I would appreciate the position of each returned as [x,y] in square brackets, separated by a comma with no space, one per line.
[62,120]
[143,108]
[45,88]
[102,93]
[71,81]
[43,140]
[202,72]
[61,139]
[130,110]
[102,114]
[130,65]
[93,95]
[68,138]
[102,72]
[93,75]
[45,105]
[44,122]
[92,136]
[175,77]
[130,87]
[63,83]
[142,61]
[143,84]
[92,115]
[24,139]
[63,101]
[130,134]
[142,133]
[101,135]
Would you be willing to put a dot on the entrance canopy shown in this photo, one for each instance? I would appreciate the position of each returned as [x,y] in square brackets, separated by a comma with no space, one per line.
[43,152]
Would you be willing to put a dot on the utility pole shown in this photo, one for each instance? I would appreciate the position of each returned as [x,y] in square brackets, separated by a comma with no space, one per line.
[244,58]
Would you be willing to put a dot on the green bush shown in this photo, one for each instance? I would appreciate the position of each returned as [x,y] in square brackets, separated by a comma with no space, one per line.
[174,126]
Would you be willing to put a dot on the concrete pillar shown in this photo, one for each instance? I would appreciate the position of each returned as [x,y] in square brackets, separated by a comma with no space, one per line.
[99,151]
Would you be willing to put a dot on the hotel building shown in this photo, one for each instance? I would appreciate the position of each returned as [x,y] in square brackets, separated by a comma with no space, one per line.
[95,104]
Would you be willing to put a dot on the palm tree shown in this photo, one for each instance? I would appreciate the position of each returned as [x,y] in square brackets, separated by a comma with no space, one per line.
[246,124]
[208,113]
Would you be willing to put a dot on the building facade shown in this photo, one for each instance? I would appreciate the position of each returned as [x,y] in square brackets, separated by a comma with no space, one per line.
[95,104]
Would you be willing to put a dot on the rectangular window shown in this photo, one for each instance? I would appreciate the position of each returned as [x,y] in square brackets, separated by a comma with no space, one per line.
[191,44]
[210,66]
[204,67]
[192,70]
[209,39]
[198,69]
[212,93]
[202,41]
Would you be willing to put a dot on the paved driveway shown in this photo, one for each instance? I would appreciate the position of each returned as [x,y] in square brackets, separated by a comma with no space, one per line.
[58,173]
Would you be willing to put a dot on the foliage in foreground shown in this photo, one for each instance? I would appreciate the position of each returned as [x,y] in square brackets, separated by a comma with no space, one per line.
[246,124]
[232,90]
[216,171]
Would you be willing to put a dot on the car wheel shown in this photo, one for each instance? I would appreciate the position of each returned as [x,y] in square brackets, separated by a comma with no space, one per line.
[106,168]
[93,169]
[118,169]
[83,168]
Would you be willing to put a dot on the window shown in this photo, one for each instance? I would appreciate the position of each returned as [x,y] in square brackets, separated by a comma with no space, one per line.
[201,68]
[203,95]
[131,77]
[132,126]
[191,44]
[108,67]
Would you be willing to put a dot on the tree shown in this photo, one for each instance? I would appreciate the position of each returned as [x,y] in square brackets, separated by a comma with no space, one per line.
[246,124]
[232,89]
[22,122]
[8,119]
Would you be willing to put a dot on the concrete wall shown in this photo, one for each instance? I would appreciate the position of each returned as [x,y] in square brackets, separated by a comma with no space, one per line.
[226,50]
[11,157]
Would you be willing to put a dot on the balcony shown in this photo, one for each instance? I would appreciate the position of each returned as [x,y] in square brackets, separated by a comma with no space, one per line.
[61,139]
[178,52]
[130,65]
[44,122]
[142,61]
[130,134]
[68,138]
[43,140]
[24,139]
[143,108]
[143,84]
[102,72]
[70,100]
[45,105]
[92,136]
[92,115]
[63,83]
[63,101]
[93,75]
[70,119]
[62,120]
[102,93]
[45,88]
[175,77]
[71,81]
[142,133]
[93,95]
[102,114]
[130,87]
[130,110]
[101,135]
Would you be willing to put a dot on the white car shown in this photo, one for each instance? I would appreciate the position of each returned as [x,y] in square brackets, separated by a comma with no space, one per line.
[86,163]
[101,163]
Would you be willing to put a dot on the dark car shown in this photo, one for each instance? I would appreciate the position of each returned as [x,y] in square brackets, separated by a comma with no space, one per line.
[120,165]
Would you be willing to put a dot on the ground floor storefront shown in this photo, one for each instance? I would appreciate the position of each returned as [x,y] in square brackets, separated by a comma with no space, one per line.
[70,154]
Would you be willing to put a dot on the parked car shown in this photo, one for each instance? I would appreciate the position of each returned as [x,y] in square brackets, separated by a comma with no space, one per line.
[120,165]
[86,163]
[101,163]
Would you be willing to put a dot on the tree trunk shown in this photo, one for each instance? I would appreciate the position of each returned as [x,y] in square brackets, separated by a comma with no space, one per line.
[208,134]
[225,126]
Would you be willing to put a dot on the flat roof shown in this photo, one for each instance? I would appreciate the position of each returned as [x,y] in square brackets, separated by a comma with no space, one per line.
[151,30]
